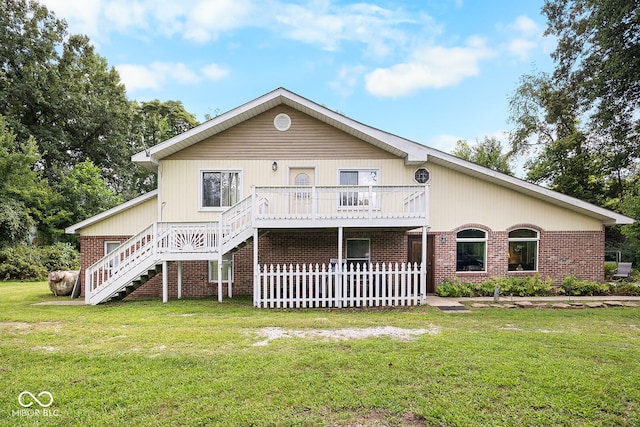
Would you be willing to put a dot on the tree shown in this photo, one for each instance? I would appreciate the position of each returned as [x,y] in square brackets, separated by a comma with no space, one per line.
[24,196]
[55,88]
[153,122]
[597,62]
[487,153]
[566,158]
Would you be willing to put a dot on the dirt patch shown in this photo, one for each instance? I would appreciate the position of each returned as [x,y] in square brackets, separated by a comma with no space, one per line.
[25,327]
[400,334]
[383,419]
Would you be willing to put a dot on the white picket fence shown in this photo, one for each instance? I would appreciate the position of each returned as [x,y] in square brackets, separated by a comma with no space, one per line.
[310,286]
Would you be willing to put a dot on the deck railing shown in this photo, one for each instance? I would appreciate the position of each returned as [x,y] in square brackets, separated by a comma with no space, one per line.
[316,203]
[300,206]
[369,285]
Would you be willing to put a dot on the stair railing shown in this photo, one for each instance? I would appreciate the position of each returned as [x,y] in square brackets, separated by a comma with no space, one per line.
[129,254]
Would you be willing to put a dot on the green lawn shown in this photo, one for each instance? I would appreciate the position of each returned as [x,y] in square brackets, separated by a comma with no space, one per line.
[194,363]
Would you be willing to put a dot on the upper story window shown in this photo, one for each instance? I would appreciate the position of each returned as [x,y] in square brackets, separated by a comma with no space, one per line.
[361,177]
[523,250]
[471,250]
[220,189]
[421,176]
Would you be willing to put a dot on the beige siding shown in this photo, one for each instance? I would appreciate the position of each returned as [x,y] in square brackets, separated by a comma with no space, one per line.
[180,189]
[126,223]
[455,199]
[458,199]
[258,139]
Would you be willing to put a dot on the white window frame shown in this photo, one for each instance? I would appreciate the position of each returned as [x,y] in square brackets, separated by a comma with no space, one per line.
[473,240]
[116,243]
[350,261]
[361,196]
[525,239]
[201,173]
[227,269]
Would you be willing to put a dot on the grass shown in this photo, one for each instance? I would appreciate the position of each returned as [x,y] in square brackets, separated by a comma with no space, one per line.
[193,362]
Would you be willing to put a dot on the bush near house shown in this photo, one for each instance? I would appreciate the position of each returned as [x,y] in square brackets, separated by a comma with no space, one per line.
[534,286]
[26,262]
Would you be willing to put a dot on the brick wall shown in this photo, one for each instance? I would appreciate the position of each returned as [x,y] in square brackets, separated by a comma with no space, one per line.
[559,253]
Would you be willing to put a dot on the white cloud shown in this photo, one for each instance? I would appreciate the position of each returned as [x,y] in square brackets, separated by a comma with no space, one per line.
[429,67]
[207,19]
[215,72]
[155,75]
[525,36]
[328,25]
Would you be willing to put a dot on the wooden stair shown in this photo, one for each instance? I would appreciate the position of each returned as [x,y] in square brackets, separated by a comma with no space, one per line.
[135,284]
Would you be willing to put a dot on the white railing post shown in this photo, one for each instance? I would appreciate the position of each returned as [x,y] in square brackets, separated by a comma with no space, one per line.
[87,285]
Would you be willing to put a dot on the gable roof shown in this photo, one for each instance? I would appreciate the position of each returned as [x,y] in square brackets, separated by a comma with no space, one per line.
[412,152]
[75,228]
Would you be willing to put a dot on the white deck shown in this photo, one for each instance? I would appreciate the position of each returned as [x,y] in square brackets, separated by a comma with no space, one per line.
[267,207]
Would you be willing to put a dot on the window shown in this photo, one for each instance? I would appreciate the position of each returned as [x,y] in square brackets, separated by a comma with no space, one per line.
[358,252]
[366,177]
[220,188]
[110,246]
[523,250]
[302,180]
[471,251]
[421,176]
[227,269]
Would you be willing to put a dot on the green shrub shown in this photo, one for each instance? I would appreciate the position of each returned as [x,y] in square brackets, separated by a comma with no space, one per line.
[625,288]
[60,256]
[23,262]
[514,285]
[609,269]
[573,285]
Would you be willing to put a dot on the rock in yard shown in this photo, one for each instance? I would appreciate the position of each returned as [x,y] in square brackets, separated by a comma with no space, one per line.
[479,305]
[561,305]
[612,303]
[594,304]
[630,304]
[523,304]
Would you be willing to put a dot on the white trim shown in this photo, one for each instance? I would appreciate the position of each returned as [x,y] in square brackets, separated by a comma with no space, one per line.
[473,240]
[278,121]
[315,173]
[202,171]
[524,239]
[415,171]
[74,229]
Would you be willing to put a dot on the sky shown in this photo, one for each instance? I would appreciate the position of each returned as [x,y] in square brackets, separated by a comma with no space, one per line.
[432,71]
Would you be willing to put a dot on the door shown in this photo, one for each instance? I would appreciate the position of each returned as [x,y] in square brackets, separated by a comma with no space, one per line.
[300,202]
[415,255]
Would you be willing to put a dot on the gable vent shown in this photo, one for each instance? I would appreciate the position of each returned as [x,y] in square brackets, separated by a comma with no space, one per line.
[282,122]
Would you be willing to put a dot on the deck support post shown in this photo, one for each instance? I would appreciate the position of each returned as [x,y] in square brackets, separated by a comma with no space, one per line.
[423,266]
[179,279]
[165,281]
[256,270]
[339,278]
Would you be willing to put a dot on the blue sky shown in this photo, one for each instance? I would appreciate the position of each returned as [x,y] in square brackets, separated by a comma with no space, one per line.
[433,71]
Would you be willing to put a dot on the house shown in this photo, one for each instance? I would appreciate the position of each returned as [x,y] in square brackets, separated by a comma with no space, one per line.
[298,205]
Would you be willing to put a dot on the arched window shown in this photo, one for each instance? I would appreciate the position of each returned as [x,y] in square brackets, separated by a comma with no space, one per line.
[471,251]
[302,179]
[523,250]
